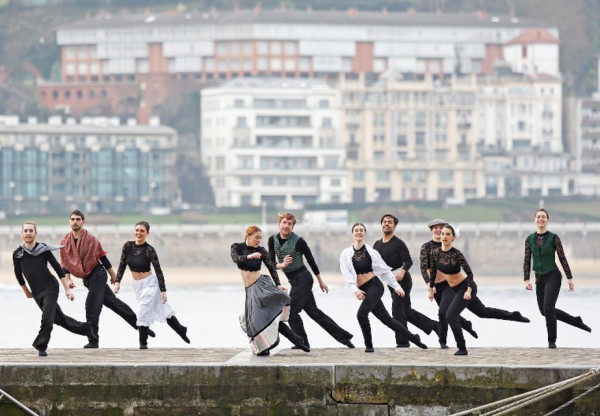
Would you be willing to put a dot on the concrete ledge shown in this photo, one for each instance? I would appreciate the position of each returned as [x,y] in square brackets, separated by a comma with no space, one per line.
[323,382]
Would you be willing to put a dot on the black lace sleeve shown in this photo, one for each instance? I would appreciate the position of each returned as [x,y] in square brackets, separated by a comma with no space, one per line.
[122,263]
[270,266]
[560,252]
[462,261]
[235,254]
[424,262]
[153,257]
[527,261]
[432,270]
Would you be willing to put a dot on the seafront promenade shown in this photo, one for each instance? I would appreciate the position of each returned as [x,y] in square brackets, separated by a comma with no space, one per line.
[327,381]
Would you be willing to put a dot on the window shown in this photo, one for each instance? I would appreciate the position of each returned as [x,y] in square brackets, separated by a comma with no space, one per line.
[245,181]
[238,103]
[323,103]
[241,122]
[359,175]
[383,176]
[378,155]
[401,140]
[267,181]
[420,138]
[445,175]
[326,122]
[336,182]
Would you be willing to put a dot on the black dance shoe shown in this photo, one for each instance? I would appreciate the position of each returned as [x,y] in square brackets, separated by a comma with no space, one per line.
[369,349]
[403,345]
[552,345]
[461,351]
[42,353]
[579,324]
[91,345]
[469,328]
[519,318]
[418,343]
[444,346]
[348,343]
[264,353]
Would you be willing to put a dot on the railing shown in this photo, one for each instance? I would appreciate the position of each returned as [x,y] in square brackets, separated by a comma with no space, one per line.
[15,401]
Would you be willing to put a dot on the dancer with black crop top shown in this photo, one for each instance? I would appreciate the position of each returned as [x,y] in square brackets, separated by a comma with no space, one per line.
[364,271]
[150,290]
[267,302]
[443,293]
[447,263]
[31,261]
[543,246]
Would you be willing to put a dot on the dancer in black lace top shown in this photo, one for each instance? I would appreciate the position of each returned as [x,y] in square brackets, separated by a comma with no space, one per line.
[447,264]
[544,246]
[267,304]
[442,290]
[149,288]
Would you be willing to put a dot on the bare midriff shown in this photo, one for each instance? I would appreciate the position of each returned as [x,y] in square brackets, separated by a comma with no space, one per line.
[363,278]
[249,277]
[140,275]
[452,279]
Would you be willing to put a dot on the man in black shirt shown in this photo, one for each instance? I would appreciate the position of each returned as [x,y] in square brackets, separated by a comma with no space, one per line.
[396,255]
[31,261]
[286,250]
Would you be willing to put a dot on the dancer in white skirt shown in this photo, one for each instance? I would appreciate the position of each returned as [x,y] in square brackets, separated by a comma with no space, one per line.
[149,287]
[267,302]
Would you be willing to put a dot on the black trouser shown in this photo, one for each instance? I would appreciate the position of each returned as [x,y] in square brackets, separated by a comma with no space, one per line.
[475,305]
[99,293]
[303,299]
[53,314]
[372,303]
[403,312]
[443,297]
[547,288]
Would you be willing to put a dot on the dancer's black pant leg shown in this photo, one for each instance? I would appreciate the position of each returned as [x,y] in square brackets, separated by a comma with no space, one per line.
[47,301]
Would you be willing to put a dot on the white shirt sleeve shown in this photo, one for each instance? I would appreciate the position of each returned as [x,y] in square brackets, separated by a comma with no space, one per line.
[347,270]
[381,269]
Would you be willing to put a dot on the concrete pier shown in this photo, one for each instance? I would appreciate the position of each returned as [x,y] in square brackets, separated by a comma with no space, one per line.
[329,381]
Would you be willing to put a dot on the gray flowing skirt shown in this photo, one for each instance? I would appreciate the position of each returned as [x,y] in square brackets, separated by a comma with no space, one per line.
[265,307]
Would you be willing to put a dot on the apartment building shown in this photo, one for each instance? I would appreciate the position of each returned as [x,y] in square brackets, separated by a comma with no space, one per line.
[153,55]
[273,141]
[96,164]
[411,137]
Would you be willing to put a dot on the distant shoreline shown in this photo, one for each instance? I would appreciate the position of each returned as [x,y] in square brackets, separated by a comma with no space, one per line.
[217,276]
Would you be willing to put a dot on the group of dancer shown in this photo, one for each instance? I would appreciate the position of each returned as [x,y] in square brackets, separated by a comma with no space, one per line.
[82,256]
[365,270]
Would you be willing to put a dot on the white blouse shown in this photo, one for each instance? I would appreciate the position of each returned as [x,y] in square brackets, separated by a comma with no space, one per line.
[381,270]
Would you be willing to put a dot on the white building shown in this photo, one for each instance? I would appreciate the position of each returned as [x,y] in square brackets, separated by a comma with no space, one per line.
[275,141]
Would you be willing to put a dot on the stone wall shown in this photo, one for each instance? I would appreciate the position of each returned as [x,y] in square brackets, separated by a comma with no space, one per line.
[491,250]
[327,390]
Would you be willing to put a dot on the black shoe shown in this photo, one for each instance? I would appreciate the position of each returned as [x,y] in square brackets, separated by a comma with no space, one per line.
[418,343]
[403,345]
[581,325]
[348,343]
[42,353]
[369,349]
[444,346]
[151,333]
[552,345]
[91,345]
[519,318]
[264,353]
[297,347]
[469,328]
[143,346]
[461,351]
